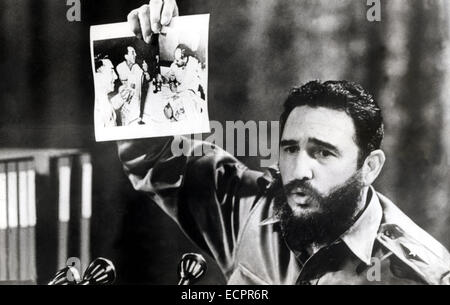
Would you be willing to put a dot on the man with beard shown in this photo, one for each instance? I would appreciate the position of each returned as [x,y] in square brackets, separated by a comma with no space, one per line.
[184,72]
[312,219]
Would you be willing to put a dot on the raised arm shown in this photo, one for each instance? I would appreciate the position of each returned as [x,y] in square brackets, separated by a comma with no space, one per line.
[209,196]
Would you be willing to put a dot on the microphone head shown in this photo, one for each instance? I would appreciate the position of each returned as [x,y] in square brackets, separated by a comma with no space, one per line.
[66,276]
[100,271]
[191,268]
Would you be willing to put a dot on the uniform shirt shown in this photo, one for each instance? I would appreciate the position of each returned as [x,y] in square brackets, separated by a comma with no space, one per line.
[227,210]
[188,75]
[132,79]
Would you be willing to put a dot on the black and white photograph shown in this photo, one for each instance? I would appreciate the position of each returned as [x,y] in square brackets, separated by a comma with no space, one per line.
[198,144]
[151,89]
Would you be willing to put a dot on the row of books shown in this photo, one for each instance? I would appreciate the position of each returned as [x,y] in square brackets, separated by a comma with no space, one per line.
[45,211]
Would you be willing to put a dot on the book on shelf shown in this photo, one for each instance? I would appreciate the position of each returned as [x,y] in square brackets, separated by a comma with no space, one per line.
[16,217]
[45,211]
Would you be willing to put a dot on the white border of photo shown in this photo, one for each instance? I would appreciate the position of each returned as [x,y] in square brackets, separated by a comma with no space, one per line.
[122,30]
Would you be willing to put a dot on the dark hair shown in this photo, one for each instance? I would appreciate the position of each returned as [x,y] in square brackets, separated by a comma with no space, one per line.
[346,96]
[186,51]
[126,49]
[98,61]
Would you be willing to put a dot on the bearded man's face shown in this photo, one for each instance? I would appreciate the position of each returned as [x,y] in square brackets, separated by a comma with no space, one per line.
[319,171]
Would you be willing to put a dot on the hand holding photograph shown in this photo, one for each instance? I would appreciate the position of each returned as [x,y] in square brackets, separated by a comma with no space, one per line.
[150,89]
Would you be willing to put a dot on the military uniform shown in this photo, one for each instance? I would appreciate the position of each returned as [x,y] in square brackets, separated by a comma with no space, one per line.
[227,210]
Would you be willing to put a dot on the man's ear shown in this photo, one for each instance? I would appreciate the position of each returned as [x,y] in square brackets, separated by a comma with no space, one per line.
[372,166]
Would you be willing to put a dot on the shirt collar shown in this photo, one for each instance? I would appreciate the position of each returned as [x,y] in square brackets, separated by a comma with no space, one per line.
[360,237]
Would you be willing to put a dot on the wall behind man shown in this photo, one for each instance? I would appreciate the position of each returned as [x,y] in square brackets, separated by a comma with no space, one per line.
[258,50]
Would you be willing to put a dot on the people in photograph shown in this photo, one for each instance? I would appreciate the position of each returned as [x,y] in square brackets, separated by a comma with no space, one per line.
[185,71]
[105,77]
[133,77]
[185,81]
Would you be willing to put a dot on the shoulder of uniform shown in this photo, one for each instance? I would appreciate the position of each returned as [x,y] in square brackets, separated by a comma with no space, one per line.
[430,264]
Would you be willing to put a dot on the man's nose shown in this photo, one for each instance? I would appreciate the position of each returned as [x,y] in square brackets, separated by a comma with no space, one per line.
[303,167]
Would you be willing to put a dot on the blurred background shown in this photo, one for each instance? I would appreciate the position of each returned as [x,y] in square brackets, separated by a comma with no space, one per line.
[258,50]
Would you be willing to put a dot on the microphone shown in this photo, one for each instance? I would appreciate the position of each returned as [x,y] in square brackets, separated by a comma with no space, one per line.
[66,276]
[191,268]
[100,271]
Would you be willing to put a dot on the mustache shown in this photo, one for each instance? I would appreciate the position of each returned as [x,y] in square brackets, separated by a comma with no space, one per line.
[302,185]
[306,187]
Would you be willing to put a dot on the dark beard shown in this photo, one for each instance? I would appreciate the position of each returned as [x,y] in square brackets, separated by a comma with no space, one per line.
[336,213]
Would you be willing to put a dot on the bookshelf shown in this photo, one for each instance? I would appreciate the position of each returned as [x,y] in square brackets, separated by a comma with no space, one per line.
[45,211]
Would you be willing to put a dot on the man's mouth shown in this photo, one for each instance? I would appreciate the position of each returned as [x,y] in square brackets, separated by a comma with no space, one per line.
[300,198]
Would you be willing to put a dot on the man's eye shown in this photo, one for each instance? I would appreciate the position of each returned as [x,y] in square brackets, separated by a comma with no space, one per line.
[291,149]
[323,153]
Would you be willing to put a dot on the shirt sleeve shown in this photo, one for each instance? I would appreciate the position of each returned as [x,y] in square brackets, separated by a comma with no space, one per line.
[207,191]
